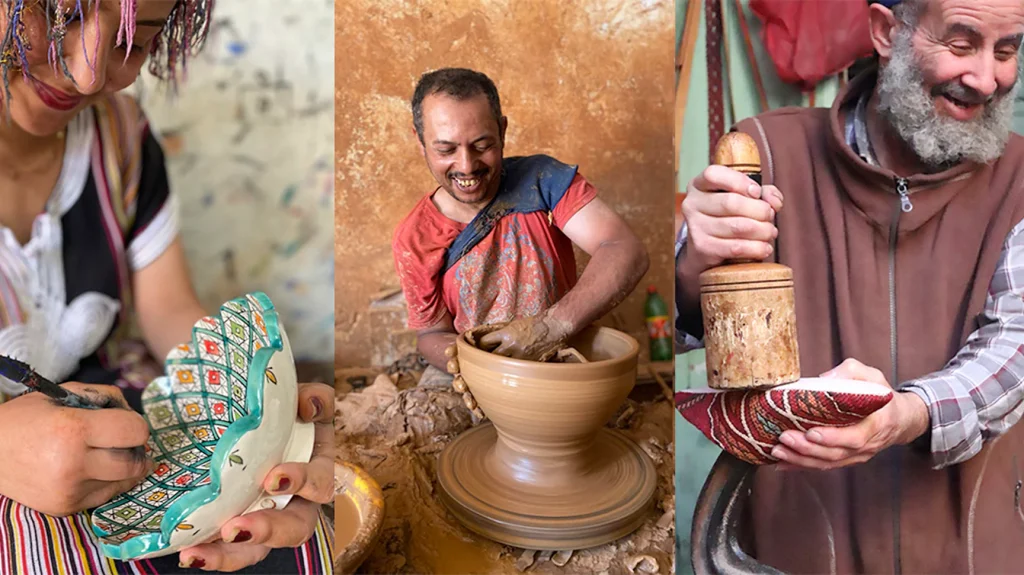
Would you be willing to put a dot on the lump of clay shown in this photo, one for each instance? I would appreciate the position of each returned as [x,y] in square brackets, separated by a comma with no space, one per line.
[564,354]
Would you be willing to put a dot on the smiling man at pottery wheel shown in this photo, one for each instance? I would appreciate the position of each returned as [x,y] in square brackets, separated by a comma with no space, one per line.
[901,212]
[494,242]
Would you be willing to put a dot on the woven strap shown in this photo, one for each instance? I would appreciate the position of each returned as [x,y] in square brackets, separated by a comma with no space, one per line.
[117,172]
[716,113]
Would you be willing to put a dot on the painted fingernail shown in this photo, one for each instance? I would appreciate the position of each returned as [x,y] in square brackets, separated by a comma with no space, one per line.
[241,536]
[191,562]
[283,483]
[318,406]
[815,436]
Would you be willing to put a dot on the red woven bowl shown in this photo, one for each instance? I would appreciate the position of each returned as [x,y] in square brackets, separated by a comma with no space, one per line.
[747,424]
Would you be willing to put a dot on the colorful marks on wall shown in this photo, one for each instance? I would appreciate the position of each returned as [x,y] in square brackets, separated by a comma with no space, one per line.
[250,145]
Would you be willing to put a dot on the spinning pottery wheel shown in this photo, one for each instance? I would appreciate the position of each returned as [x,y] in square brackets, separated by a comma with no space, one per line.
[546,474]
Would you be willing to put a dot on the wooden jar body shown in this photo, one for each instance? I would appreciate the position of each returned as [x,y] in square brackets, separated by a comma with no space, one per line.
[750,333]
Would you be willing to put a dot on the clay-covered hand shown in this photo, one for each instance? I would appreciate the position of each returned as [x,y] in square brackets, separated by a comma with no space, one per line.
[728,217]
[901,421]
[452,353]
[248,539]
[536,338]
[61,460]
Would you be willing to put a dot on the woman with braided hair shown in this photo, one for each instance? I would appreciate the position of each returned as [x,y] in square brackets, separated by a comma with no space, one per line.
[89,251]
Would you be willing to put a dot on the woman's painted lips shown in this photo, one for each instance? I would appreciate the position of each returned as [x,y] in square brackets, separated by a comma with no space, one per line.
[53,97]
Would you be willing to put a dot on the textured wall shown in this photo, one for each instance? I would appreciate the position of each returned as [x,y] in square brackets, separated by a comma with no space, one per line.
[249,147]
[588,82]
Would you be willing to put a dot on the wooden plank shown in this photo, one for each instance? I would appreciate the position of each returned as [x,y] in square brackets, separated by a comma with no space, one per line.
[684,60]
[762,94]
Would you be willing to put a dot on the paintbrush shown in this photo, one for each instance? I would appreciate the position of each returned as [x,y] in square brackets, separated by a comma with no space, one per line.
[20,372]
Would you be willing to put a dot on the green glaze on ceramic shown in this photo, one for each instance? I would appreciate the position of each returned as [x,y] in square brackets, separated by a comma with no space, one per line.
[210,398]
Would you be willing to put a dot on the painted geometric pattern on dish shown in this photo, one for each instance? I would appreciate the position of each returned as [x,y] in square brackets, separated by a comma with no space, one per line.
[747,424]
[188,411]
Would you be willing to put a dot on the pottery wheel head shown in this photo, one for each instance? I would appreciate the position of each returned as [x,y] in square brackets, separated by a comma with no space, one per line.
[604,498]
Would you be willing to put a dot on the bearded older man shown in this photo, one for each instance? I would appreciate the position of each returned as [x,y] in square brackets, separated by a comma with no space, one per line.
[903,220]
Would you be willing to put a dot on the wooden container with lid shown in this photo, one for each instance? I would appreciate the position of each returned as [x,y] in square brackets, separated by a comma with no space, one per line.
[749,308]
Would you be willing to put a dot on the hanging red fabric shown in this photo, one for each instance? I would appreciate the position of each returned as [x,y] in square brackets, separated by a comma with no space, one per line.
[809,40]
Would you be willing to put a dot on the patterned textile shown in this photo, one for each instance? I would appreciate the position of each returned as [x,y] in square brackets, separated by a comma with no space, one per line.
[747,424]
[35,544]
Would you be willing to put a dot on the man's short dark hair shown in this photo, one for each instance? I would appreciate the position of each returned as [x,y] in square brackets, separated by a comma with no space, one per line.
[459,83]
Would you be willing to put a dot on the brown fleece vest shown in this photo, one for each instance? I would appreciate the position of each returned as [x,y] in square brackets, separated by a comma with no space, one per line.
[857,258]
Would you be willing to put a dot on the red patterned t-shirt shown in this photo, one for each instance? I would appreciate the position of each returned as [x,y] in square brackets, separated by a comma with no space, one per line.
[521,268]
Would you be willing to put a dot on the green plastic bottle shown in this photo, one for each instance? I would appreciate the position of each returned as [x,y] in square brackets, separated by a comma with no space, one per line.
[658,330]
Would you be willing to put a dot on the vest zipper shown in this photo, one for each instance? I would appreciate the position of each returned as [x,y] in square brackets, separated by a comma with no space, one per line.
[901,189]
[905,207]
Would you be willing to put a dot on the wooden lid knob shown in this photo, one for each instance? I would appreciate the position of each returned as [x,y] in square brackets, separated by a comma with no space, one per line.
[739,152]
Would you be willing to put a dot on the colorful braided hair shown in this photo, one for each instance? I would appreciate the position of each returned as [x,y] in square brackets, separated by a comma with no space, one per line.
[181,38]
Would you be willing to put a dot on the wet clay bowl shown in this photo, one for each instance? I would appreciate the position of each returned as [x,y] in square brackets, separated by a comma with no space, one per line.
[358,516]
[546,473]
[219,421]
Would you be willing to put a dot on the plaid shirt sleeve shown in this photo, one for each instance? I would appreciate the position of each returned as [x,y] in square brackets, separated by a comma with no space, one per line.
[980,393]
[684,341]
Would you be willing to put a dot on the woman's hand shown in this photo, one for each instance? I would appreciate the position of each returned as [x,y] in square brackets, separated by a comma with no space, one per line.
[248,539]
[61,460]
